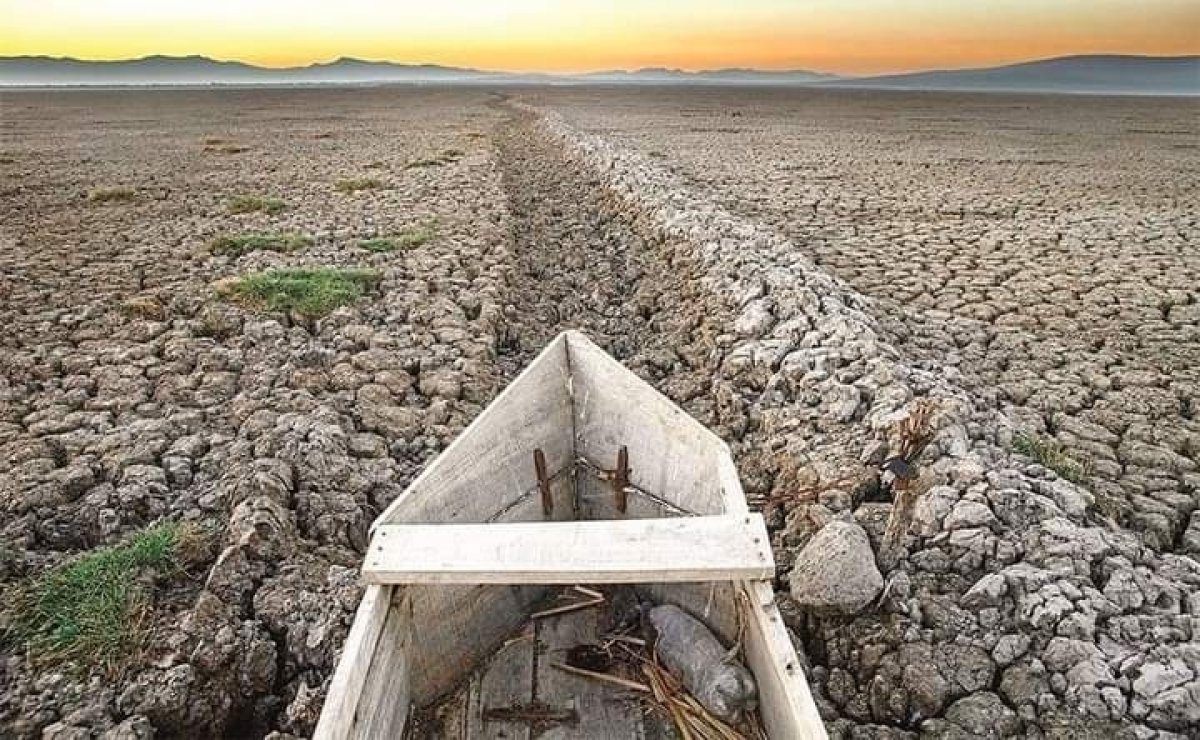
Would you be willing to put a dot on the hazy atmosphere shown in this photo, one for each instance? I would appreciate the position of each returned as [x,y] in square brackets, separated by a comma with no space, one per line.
[858,37]
[528,370]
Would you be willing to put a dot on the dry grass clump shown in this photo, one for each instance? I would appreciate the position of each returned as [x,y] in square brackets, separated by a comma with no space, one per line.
[111,195]
[446,156]
[909,438]
[311,292]
[222,146]
[408,238]
[256,204]
[269,242]
[357,184]
[92,609]
[144,307]
[1050,454]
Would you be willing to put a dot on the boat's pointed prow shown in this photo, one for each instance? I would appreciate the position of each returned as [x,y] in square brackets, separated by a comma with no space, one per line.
[578,472]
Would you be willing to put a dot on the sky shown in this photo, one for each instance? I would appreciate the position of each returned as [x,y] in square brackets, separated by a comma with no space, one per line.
[841,36]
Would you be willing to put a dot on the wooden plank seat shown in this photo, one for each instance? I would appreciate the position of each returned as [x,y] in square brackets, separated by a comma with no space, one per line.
[663,550]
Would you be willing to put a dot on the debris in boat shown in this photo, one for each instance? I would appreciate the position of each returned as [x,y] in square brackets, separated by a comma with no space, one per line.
[535,714]
[595,598]
[602,677]
[694,654]
[589,657]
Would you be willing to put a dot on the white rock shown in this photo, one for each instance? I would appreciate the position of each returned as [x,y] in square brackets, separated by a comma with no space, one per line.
[836,571]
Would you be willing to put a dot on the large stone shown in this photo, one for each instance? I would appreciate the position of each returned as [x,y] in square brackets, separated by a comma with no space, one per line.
[984,715]
[836,571]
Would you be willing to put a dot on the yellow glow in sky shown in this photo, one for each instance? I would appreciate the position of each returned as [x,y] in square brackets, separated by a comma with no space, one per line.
[848,36]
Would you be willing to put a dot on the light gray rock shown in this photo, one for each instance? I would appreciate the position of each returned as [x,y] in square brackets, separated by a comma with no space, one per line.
[836,571]
[969,514]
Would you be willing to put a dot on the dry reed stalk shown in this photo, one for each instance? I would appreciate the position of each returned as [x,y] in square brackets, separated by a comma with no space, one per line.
[602,677]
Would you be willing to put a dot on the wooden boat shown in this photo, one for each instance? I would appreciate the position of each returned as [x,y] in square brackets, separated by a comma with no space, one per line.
[578,473]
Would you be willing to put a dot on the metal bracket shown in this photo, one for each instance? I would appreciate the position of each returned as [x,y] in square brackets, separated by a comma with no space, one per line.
[539,466]
[620,479]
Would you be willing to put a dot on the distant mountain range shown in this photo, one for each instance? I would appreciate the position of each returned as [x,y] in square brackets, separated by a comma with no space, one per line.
[1088,74]
[1092,73]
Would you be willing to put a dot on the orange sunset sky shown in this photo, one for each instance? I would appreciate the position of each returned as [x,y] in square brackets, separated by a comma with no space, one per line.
[848,36]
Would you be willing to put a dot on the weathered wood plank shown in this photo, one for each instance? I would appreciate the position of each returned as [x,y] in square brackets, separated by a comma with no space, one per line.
[461,625]
[784,700]
[490,465]
[386,700]
[345,690]
[670,454]
[506,682]
[679,549]
[605,713]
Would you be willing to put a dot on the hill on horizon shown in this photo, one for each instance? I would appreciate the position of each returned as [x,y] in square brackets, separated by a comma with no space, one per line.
[1083,73]
[1094,73]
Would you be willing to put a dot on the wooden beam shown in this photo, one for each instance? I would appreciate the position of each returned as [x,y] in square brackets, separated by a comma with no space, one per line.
[338,716]
[678,549]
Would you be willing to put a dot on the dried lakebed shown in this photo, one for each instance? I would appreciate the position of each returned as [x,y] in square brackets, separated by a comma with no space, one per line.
[1023,604]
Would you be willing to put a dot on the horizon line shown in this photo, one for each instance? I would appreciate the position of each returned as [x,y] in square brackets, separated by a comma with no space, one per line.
[605,70]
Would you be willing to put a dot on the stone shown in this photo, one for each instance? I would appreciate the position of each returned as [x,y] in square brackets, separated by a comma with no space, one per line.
[969,514]
[987,591]
[984,715]
[1009,648]
[836,571]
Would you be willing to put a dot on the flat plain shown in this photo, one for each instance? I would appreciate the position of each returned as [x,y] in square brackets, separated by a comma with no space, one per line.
[257,314]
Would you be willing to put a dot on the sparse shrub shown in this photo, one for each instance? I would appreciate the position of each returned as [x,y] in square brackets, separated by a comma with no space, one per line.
[447,156]
[354,185]
[214,141]
[256,204]
[1051,455]
[7,160]
[144,307]
[270,242]
[224,147]
[92,608]
[323,135]
[408,238]
[309,291]
[111,195]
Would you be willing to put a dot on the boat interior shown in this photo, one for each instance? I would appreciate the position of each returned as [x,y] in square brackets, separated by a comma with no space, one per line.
[578,473]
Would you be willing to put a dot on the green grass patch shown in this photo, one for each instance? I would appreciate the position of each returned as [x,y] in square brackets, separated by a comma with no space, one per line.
[408,238]
[1050,454]
[269,242]
[256,204]
[111,195]
[310,291]
[91,609]
[357,184]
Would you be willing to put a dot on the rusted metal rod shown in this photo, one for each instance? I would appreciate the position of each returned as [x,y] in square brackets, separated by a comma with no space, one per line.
[621,479]
[539,466]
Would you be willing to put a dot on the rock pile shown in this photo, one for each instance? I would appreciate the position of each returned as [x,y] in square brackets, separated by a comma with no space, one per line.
[1010,610]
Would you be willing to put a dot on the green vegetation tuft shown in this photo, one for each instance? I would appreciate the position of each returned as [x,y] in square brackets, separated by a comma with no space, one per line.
[256,204]
[270,242]
[1051,455]
[91,608]
[111,195]
[408,238]
[310,291]
[354,185]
